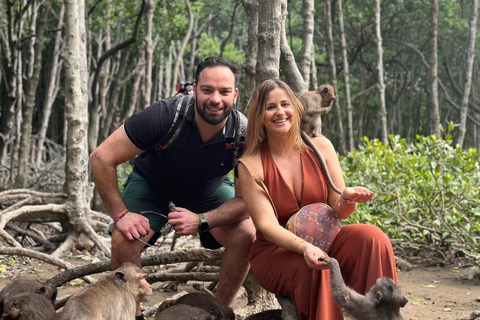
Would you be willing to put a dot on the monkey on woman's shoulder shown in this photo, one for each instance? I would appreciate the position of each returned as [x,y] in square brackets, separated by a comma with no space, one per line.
[316,103]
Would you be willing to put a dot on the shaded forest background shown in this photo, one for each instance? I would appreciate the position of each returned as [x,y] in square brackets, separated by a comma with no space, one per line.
[406,115]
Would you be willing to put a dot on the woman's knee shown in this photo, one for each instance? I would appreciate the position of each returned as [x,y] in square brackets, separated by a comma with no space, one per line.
[364,234]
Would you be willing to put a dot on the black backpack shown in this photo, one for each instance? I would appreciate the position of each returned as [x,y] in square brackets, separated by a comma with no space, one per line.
[235,136]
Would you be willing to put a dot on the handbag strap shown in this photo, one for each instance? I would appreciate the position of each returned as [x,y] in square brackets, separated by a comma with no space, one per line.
[259,182]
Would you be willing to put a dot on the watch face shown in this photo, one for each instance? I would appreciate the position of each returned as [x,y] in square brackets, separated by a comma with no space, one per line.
[203,227]
[203,224]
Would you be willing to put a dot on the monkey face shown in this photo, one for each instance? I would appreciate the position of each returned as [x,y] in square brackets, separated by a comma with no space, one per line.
[279,113]
[386,292]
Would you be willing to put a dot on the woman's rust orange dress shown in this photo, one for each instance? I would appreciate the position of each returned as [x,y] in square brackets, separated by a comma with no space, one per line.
[363,251]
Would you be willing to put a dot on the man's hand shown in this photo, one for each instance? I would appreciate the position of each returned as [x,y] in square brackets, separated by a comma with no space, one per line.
[184,221]
[133,225]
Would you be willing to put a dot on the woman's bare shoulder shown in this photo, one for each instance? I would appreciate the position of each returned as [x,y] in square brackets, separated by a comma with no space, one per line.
[255,163]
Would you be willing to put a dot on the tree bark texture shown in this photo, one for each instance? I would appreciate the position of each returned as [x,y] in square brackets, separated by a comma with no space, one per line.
[381,83]
[251,8]
[313,70]
[32,84]
[182,49]
[342,148]
[432,89]
[468,74]
[307,43]
[10,51]
[76,168]
[150,7]
[292,74]
[52,89]
[269,31]
[346,75]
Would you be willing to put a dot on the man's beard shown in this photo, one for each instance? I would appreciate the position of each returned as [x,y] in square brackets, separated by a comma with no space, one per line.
[213,119]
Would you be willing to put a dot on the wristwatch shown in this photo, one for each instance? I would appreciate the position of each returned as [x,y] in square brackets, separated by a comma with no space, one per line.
[203,225]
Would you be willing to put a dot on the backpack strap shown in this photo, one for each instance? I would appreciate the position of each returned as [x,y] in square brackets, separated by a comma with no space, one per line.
[236,136]
[178,121]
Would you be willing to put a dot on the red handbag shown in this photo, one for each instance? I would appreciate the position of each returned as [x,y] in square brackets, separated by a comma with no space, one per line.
[317,224]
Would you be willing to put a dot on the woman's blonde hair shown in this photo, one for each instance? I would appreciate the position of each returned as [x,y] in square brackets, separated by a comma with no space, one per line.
[256,133]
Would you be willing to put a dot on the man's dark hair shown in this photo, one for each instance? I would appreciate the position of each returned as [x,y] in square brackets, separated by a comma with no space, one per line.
[211,62]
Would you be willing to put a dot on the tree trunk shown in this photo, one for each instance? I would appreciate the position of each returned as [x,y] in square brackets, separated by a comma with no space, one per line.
[107,69]
[51,90]
[269,32]
[149,53]
[159,82]
[168,72]
[410,105]
[193,51]
[231,31]
[251,8]
[32,84]
[342,148]
[468,74]
[381,84]
[10,52]
[182,49]
[432,87]
[346,75]
[307,43]
[292,74]
[114,105]
[76,102]
[139,74]
[313,70]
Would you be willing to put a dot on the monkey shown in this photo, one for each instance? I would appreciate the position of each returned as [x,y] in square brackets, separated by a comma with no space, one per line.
[382,302]
[267,315]
[206,303]
[184,312]
[112,297]
[27,306]
[316,103]
[23,286]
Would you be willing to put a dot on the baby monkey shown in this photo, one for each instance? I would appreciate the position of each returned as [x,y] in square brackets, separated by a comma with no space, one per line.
[382,302]
[316,104]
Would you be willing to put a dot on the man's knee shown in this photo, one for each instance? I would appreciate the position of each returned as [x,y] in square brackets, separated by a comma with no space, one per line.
[242,236]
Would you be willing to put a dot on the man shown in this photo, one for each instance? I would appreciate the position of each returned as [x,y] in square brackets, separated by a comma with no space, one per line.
[191,172]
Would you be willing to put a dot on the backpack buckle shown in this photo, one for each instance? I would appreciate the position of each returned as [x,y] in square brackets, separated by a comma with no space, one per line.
[234,145]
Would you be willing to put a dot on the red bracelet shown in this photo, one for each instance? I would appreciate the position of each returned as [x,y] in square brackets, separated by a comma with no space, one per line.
[120,215]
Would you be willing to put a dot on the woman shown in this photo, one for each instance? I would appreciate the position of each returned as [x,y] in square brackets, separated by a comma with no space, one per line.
[282,262]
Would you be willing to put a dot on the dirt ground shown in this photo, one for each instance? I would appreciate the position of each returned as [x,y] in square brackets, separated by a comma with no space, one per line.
[433,292]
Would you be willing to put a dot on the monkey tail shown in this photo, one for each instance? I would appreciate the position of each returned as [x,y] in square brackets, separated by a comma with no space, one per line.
[309,143]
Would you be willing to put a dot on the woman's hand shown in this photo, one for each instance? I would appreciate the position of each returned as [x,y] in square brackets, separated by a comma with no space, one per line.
[311,254]
[357,194]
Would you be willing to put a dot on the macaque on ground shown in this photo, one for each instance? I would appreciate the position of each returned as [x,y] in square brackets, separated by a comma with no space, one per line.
[27,306]
[201,301]
[316,103]
[24,286]
[113,297]
[382,302]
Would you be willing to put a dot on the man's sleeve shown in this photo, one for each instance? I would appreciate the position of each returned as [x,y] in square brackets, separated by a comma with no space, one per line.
[147,127]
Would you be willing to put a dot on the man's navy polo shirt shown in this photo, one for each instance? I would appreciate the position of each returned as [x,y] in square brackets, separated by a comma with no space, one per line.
[188,167]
